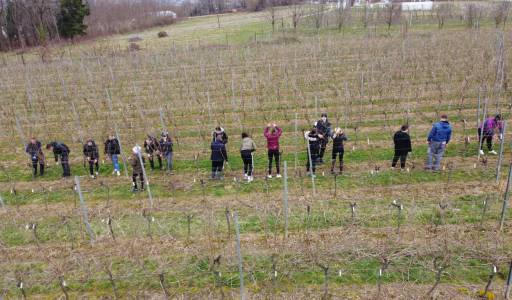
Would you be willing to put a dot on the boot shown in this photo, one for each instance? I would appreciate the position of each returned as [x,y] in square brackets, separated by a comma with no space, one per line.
[41,170]
[332,166]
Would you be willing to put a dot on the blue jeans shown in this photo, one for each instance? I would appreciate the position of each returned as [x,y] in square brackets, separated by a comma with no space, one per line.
[435,152]
[168,158]
[115,162]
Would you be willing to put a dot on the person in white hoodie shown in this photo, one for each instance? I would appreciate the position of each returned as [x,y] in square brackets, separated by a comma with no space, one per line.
[246,151]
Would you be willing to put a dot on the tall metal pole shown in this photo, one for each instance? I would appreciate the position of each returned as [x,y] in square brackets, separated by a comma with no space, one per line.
[239,253]
[285,199]
[505,199]
[84,209]
[139,155]
[482,130]
[500,158]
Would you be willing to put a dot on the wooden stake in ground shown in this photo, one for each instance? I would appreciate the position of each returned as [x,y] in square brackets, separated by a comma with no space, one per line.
[239,253]
[505,199]
[84,209]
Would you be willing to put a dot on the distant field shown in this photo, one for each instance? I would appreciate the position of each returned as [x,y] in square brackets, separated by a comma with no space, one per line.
[345,239]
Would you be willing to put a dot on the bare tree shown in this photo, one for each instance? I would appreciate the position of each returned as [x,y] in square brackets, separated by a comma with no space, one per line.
[297,14]
[392,14]
[318,12]
[500,13]
[271,10]
[343,13]
[474,14]
[443,11]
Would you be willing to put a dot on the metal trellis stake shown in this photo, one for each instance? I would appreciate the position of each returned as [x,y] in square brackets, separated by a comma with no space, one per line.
[84,209]
[500,158]
[285,198]
[239,253]
[506,197]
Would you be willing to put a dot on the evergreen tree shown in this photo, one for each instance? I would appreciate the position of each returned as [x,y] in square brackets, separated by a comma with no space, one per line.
[71,18]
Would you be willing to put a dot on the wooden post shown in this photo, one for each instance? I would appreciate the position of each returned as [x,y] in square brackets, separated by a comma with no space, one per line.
[285,198]
[505,199]
[500,158]
[239,253]
[84,210]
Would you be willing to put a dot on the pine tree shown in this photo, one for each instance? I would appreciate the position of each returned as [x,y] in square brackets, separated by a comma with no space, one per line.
[71,18]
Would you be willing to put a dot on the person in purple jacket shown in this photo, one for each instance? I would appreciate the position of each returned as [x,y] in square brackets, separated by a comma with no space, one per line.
[273,133]
[486,134]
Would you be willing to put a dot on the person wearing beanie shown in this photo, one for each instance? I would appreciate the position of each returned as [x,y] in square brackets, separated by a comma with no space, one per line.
[137,167]
[313,139]
[219,131]
[402,142]
[272,133]
[166,146]
[35,150]
[218,157]
[338,149]
[92,156]
[246,151]
[486,134]
[438,139]
[323,127]
[152,149]
[112,152]
[61,151]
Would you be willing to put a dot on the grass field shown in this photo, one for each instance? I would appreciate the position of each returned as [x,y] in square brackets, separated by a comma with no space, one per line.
[345,238]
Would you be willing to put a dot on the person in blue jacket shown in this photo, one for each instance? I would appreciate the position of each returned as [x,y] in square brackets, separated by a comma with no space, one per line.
[219,155]
[437,140]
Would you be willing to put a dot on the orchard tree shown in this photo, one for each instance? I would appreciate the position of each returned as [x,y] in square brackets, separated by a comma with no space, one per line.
[71,18]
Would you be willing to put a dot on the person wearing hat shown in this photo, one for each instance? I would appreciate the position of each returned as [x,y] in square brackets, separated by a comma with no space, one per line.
[323,127]
[166,149]
[402,142]
[219,131]
[338,148]
[35,150]
[92,156]
[112,152]
[152,149]
[438,138]
[486,134]
[272,133]
[60,150]
[137,171]
[218,156]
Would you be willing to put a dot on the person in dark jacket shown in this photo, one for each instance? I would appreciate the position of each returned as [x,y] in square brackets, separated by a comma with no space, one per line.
[490,126]
[246,150]
[438,139]
[219,131]
[152,148]
[313,140]
[323,127]
[166,149]
[137,168]
[402,142]
[338,148]
[112,151]
[272,133]
[60,150]
[35,150]
[92,156]
[218,157]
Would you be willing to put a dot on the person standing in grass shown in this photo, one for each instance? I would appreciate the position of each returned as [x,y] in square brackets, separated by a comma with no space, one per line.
[272,134]
[402,142]
[137,165]
[60,150]
[112,151]
[35,150]
[218,157]
[152,149]
[438,139]
[323,127]
[338,149]
[490,126]
[313,139]
[92,156]
[246,151]
[166,149]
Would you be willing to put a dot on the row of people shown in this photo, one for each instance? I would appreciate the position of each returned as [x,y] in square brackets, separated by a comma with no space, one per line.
[317,140]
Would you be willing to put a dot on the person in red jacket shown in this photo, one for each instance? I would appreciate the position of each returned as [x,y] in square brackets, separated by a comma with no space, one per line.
[273,133]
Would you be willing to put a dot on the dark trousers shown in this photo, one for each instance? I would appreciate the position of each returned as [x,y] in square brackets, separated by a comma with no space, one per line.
[323,146]
[247,159]
[217,166]
[486,138]
[64,161]
[152,161]
[36,161]
[314,159]
[273,154]
[402,155]
[93,164]
[337,153]
[141,178]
